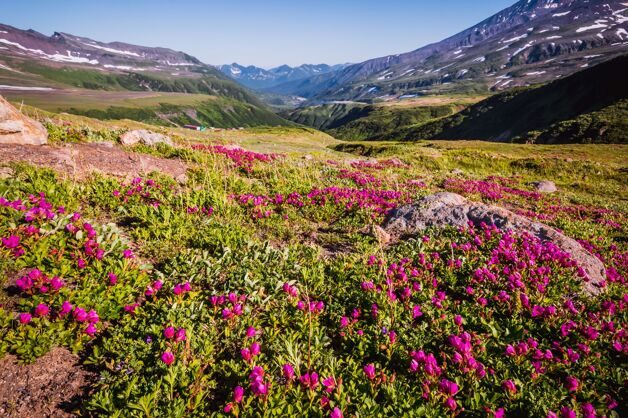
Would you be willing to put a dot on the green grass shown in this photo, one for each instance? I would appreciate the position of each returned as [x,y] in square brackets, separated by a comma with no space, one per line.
[218,112]
[358,122]
[206,97]
[60,100]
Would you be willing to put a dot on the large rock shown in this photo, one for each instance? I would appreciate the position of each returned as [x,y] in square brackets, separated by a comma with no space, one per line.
[145,137]
[450,209]
[15,128]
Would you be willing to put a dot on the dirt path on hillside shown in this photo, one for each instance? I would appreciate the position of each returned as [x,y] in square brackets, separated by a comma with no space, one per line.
[52,386]
[79,160]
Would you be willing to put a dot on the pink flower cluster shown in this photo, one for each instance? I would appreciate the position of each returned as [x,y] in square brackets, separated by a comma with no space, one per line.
[35,209]
[182,288]
[360,178]
[249,353]
[91,248]
[488,189]
[12,242]
[291,290]
[378,165]
[145,190]
[235,302]
[207,211]
[37,282]
[376,202]
[176,335]
[259,386]
[152,288]
[313,306]
[241,158]
[306,304]
[79,315]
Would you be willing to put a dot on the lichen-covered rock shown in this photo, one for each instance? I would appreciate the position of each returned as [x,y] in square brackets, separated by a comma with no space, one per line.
[145,137]
[15,128]
[449,209]
[545,186]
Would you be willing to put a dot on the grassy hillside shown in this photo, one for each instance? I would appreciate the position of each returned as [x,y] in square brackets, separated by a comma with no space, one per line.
[589,106]
[135,81]
[353,121]
[201,99]
[382,122]
[218,112]
[273,139]
[328,116]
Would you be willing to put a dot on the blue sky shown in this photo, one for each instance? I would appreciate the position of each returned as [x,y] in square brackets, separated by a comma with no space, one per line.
[261,32]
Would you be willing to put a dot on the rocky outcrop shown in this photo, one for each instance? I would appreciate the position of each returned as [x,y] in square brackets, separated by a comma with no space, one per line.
[449,209]
[145,137]
[81,160]
[15,128]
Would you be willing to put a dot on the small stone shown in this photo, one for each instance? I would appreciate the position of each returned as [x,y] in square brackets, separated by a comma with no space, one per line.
[145,137]
[182,179]
[104,144]
[6,172]
[381,235]
[545,186]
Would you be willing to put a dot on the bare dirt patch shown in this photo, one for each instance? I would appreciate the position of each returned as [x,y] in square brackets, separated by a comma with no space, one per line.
[53,386]
[79,160]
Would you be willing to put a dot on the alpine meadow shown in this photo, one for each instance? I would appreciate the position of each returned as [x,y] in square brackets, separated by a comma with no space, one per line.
[435,233]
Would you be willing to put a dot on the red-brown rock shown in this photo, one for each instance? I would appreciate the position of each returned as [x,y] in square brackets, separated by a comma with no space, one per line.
[15,128]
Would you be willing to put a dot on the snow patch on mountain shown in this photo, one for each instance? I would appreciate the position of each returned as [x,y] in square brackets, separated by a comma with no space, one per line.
[112,50]
[123,67]
[23,88]
[52,57]
[523,48]
[515,39]
[599,24]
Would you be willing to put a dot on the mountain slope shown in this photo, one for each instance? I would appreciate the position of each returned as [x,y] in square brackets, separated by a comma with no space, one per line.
[533,41]
[590,106]
[32,61]
[259,78]
[352,121]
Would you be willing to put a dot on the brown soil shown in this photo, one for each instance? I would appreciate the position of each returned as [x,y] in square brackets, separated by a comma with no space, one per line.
[79,160]
[53,386]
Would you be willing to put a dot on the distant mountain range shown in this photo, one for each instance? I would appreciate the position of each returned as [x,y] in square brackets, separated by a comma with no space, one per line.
[533,41]
[31,61]
[589,106]
[261,79]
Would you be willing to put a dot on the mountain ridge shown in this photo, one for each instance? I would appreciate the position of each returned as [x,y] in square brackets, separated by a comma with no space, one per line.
[51,65]
[530,42]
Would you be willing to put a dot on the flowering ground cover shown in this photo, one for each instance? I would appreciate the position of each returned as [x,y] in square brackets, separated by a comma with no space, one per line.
[215,297]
